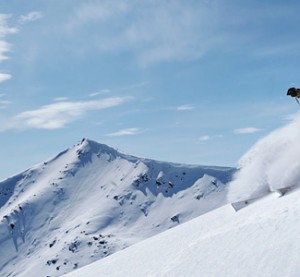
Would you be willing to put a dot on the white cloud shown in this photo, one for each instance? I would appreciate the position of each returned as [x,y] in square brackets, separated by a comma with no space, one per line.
[153,31]
[4,48]
[5,30]
[204,138]
[58,115]
[207,137]
[31,16]
[60,99]
[248,130]
[125,132]
[4,77]
[95,12]
[185,108]
[4,104]
[101,92]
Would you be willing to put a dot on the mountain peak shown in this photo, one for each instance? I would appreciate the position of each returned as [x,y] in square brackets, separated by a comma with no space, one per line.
[89,145]
[87,148]
[96,201]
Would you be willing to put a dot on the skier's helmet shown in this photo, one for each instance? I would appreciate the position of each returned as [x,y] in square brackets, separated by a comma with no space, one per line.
[292,92]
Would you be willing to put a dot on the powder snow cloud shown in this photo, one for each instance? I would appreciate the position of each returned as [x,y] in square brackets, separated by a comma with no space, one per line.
[272,163]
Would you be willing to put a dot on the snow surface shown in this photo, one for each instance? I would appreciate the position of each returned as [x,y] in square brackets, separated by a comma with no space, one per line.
[91,201]
[260,240]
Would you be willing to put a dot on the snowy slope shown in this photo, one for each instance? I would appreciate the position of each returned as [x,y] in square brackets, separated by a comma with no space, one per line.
[260,240]
[91,201]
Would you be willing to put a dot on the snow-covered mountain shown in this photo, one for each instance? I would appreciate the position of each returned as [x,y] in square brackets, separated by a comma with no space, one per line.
[257,234]
[91,201]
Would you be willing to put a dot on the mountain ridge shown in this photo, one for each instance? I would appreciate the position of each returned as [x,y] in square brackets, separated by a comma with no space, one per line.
[90,201]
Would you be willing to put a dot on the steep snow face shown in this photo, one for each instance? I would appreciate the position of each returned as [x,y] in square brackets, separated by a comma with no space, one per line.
[260,240]
[272,163]
[91,201]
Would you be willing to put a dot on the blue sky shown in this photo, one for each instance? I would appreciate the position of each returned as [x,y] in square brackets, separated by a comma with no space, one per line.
[184,81]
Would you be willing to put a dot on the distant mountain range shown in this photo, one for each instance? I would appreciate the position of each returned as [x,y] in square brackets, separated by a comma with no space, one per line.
[91,201]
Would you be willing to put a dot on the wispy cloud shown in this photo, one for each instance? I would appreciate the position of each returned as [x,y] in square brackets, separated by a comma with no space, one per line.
[185,108]
[248,130]
[96,12]
[5,30]
[4,104]
[58,115]
[157,31]
[101,92]
[4,48]
[162,31]
[125,132]
[60,99]
[4,77]
[204,138]
[207,137]
[31,16]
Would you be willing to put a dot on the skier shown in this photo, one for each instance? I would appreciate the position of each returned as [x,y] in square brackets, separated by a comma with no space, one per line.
[295,93]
